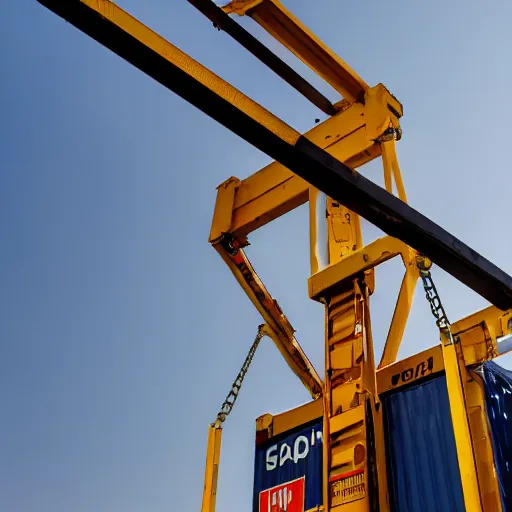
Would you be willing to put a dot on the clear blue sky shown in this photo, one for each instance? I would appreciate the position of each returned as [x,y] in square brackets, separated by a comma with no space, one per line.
[121,328]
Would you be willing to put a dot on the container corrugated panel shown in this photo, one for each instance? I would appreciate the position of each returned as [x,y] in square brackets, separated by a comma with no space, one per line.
[498,402]
[288,471]
[423,472]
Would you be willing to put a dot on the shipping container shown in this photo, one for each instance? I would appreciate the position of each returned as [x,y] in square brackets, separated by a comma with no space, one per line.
[423,471]
[288,461]
[422,467]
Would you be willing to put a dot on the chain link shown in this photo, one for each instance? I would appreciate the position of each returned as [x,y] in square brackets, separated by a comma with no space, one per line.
[230,400]
[424,265]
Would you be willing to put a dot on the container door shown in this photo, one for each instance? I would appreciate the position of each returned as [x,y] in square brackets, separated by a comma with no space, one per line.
[423,472]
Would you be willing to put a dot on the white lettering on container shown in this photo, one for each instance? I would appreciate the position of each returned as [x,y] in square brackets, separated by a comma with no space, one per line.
[288,452]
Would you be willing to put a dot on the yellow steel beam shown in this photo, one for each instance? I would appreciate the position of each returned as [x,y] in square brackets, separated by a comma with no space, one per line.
[344,233]
[284,191]
[461,430]
[351,136]
[479,333]
[358,261]
[392,170]
[128,37]
[482,441]
[496,319]
[409,370]
[284,422]
[478,336]
[242,206]
[115,29]
[363,260]
[400,314]
[278,328]
[212,468]
[223,213]
[289,31]
[223,21]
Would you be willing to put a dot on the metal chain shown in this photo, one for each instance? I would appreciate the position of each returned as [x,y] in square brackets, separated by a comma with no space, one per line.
[230,400]
[424,265]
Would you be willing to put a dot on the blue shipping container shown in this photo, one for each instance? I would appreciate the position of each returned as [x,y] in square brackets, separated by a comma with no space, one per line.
[423,471]
[287,459]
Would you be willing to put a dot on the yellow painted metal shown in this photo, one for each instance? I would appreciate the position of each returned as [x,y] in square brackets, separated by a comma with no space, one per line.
[479,333]
[482,442]
[240,7]
[276,424]
[495,319]
[277,327]
[316,249]
[288,30]
[344,381]
[476,335]
[481,439]
[273,191]
[113,13]
[343,232]
[410,370]
[392,169]
[345,354]
[275,202]
[384,111]
[350,416]
[224,205]
[461,430]
[356,262]
[212,468]
[365,259]
[400,314]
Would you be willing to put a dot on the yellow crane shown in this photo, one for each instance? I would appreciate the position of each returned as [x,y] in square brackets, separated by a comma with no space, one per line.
[354,403]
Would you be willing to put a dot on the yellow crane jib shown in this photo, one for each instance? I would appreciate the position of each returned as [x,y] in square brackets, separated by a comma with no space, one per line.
[126,36]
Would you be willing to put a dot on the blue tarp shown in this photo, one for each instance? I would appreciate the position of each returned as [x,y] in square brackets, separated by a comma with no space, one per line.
[423,472]
[498,401]
[288,457]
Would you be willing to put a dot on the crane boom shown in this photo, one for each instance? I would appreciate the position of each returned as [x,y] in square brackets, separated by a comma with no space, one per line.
[349,425]
[133,41]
